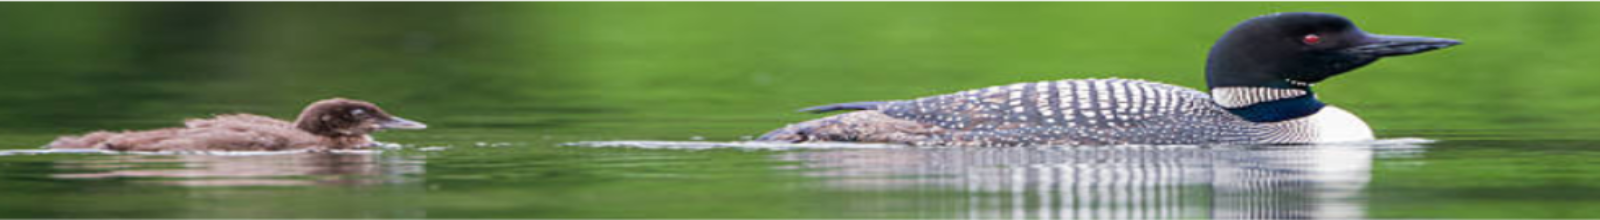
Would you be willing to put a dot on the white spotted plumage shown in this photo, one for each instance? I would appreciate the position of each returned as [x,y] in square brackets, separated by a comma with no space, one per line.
[1115,111]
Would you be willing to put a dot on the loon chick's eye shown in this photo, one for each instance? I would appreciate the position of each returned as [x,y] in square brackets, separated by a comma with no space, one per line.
[1311,39]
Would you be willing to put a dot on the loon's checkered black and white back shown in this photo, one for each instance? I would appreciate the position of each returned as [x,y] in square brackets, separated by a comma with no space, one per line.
[1065,112]
[1076,112]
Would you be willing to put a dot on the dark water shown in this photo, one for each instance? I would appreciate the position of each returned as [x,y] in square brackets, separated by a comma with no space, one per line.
[504,85]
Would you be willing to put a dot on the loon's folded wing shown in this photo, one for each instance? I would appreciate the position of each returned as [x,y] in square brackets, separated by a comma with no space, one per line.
[1095,104]
[1062,112]
[872,105]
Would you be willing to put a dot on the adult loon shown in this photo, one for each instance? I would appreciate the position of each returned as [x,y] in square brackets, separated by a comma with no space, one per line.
[1260,75]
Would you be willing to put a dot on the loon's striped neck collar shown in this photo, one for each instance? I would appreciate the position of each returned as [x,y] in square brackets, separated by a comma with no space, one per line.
[1269,103]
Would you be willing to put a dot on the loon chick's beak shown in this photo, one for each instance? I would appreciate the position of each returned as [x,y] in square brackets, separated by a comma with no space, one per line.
[401,123]
[1386,45]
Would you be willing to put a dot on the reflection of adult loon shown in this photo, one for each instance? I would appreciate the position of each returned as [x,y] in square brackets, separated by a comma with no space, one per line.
[1126,182]
[1260,74]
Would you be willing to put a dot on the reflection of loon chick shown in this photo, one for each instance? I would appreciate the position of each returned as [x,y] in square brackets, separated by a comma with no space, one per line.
[1260,75]
[327,124]
[266,169]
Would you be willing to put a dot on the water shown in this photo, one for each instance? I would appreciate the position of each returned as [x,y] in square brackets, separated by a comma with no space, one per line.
[631,110]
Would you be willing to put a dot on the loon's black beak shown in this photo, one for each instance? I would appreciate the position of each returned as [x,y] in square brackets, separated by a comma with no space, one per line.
[401,123]
[1385,45]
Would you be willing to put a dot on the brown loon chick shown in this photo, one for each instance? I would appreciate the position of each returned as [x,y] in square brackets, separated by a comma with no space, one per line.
[328,124]
[1260,75]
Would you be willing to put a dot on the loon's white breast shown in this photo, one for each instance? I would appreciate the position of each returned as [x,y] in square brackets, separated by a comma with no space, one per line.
[1325,124]
[1328,125]
[1332,125]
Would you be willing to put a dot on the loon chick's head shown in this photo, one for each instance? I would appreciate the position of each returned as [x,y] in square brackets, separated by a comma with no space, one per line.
[1295,50]
[340,117]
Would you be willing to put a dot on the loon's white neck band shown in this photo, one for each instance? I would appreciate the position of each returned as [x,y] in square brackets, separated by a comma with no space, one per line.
[1236,97]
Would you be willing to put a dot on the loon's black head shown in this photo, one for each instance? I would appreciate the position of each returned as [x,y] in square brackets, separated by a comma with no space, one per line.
[1293,50]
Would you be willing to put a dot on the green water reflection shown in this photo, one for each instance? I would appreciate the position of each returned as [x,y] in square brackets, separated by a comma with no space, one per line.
[502,85]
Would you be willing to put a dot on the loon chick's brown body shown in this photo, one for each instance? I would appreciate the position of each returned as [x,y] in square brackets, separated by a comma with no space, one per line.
[324,125]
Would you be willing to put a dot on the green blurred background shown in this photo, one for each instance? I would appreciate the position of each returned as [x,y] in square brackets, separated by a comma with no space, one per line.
[1517,99]
[88,63]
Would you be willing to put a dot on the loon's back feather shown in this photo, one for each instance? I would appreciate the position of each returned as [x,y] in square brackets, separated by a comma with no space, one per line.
[1065,112]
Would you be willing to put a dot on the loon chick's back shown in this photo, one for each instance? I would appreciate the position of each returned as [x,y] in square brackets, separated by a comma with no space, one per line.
[1259,73]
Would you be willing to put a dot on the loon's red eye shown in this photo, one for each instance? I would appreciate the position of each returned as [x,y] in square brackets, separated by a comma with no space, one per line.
[1311,39]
